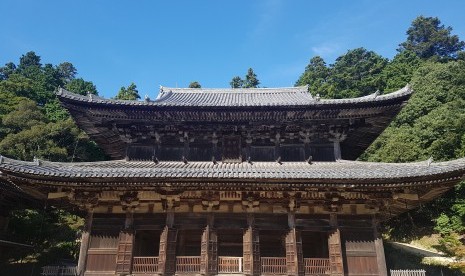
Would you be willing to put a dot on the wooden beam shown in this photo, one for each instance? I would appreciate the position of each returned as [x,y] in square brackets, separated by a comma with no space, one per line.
[85,239]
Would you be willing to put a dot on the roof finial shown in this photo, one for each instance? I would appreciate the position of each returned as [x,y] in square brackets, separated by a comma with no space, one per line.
[161,88]
[309,160]
[90,95]
[429,161]
[214,160]
[147,98]
[249,160]
[184,159]
[36,161]
[317,97]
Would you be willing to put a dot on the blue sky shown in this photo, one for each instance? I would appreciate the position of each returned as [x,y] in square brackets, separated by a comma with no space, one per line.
[171,43]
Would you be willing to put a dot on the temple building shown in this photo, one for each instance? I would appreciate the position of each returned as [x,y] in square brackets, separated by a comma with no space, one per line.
[234,182]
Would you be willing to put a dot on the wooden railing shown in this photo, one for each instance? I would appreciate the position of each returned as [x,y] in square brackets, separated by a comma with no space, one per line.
[316,266]
[187,264]
[59,271]
[408,272]
[229,264]
[272,265]
[145,264]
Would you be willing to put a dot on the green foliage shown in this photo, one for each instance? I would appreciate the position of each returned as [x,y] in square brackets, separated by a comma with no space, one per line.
[195,84]
[354,74]
[236,82]
[316,76]
[80,86]
[427,38]
[357,73]
[33,124]
[52,232]
[129,93]
[250,81]
[400,70]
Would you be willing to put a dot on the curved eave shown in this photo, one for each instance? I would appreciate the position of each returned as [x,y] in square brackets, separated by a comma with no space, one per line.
[229,98]
[340,174]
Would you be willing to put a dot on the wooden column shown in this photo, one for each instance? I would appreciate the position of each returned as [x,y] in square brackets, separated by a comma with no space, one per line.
[209,250]
[85,239]
[294,254]
[167,253]
[379,247]
[335,248]
[125,246]
[251,249]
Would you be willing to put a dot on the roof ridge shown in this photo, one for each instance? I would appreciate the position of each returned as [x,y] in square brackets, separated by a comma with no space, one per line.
[290,89]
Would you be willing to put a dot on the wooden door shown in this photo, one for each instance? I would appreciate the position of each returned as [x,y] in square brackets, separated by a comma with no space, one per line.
[209,252]
[360,253]
[213,253]
[124,252]
[294,255]
[251,252]
[335,253]
[167,252]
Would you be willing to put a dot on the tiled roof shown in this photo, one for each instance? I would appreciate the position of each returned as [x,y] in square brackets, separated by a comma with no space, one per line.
[240,97]
[325,171]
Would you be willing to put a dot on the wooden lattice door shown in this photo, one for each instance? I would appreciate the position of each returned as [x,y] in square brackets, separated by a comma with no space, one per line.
[209,252]
[167,252]
[335,253]
[294,254]
[124,253]
[251,254]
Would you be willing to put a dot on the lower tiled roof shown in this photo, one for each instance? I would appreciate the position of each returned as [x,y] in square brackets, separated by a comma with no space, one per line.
[325,171]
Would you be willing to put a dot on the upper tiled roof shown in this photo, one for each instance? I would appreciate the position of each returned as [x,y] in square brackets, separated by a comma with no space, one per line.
[347,172]
[239,97]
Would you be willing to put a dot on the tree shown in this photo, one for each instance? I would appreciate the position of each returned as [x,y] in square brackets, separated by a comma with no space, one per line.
[28,60]
[251,80]
[427,37]
[316,76]
[195,84]
[129,93]
[66,71]
[236,82]
[357,73]
[80,86]
[400,70]
[7,70]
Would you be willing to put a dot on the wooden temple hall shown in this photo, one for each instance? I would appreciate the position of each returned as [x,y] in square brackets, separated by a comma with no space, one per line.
[234,181]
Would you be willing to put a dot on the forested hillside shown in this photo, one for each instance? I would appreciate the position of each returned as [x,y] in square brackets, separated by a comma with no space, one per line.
[432,125]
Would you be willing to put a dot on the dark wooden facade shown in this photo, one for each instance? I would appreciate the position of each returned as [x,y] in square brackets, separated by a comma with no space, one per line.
[244,182]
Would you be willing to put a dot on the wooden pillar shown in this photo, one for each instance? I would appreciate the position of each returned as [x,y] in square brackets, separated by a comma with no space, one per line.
[335,248]
[209,250]
[251,249]
[125,245]
[167,251]
[379,247]
[294,254]
[85,239]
